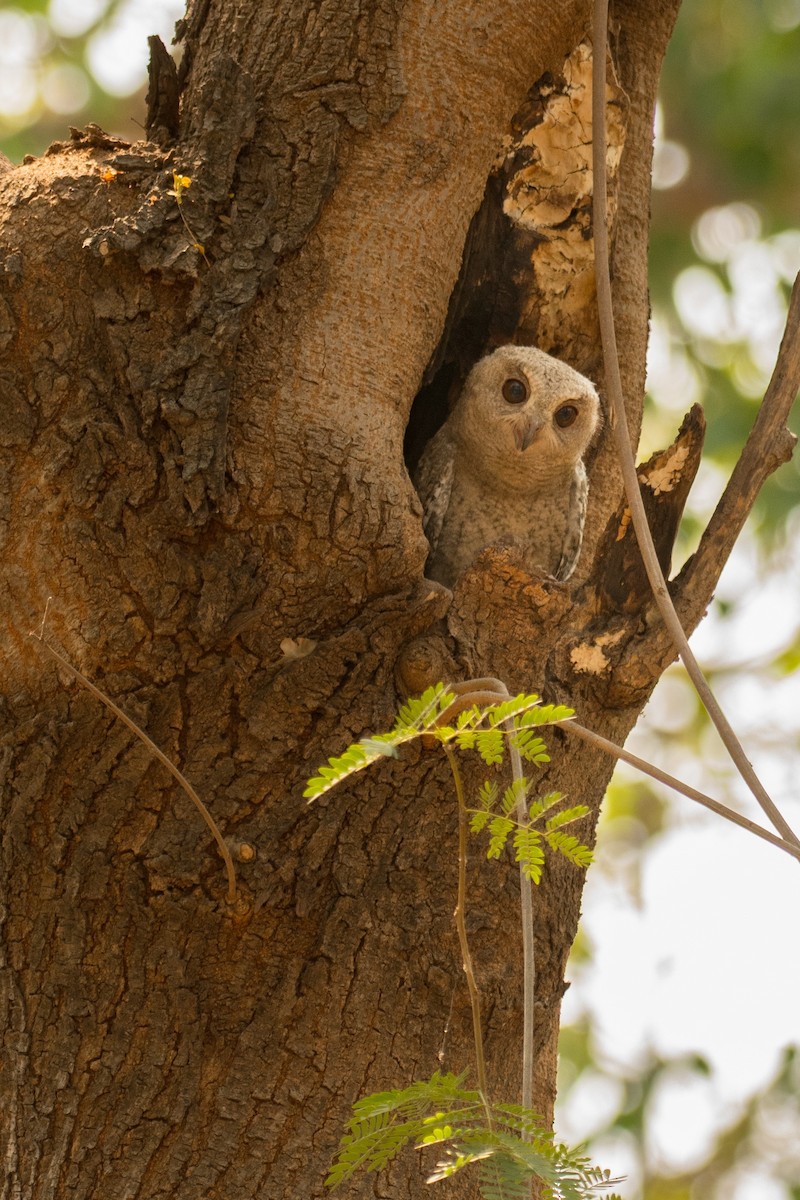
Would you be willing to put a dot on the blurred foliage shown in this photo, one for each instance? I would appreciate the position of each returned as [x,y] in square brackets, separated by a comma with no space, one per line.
[68,62]
[730,97]
[762,1141]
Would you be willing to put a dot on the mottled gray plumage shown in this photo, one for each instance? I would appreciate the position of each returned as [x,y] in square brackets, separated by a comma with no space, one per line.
[506,467]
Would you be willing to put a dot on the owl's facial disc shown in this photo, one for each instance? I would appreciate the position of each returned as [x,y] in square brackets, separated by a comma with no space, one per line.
[526,430]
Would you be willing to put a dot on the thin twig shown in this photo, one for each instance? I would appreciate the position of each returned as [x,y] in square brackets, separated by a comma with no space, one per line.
[485,691]
[154,750]
[622,439]
[677,785]
[459,914]
[528,942]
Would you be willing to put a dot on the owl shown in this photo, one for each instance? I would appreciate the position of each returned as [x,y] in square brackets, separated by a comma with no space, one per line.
[506,467]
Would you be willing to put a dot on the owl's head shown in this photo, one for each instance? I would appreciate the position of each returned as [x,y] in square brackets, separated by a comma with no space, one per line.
[529,409]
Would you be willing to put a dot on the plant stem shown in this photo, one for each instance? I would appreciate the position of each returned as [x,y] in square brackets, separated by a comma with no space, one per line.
[528,942]
[459,914]
[647,768]
[489,690]
[159,754]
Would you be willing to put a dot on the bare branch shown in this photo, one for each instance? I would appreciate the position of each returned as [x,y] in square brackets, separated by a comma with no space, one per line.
[622,439]
[677,785]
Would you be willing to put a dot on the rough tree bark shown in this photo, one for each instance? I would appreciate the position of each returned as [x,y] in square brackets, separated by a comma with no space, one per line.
[202,460]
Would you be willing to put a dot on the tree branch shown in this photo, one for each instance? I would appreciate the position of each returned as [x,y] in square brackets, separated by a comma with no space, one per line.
[664,483]
[622,439]
[677,785]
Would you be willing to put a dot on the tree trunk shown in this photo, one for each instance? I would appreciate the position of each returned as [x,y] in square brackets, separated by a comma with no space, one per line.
[205,397]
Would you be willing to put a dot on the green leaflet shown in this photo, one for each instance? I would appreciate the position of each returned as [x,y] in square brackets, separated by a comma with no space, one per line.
[570,848]
[528,851]
[507,1142]
[527,839]
[499,829]
[567,816]
[512,1151]
[475,728]
[514,793]
[416,717]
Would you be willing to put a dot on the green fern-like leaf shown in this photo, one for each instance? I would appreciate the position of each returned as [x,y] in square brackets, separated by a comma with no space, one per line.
[421,1097]
[508,1165]
[511,709]
[511,1152]
[370,1144]
[530,745]
[566,817]
[490,746]
[469,717]
[383,747]
[488,794]
[450,1165]
[556,712]
[543,804]
[509,1162]
[513,795]
[503,1178]
[465,739]
[416,717]
[523,1121]
[528,851]
[385,1122]
[355,758]
[543,714]
[569,846]
[420,713]
[499,829]
[479,820]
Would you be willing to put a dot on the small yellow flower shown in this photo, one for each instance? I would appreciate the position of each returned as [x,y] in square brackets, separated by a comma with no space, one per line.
[179,185]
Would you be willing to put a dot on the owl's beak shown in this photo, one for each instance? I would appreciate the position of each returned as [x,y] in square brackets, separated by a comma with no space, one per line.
[526,431]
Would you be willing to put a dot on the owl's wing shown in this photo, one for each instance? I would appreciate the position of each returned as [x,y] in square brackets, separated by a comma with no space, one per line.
[576,516]
[433,480]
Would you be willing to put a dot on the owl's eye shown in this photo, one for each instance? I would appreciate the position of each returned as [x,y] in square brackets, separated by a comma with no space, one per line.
[566,416]
[515,391]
